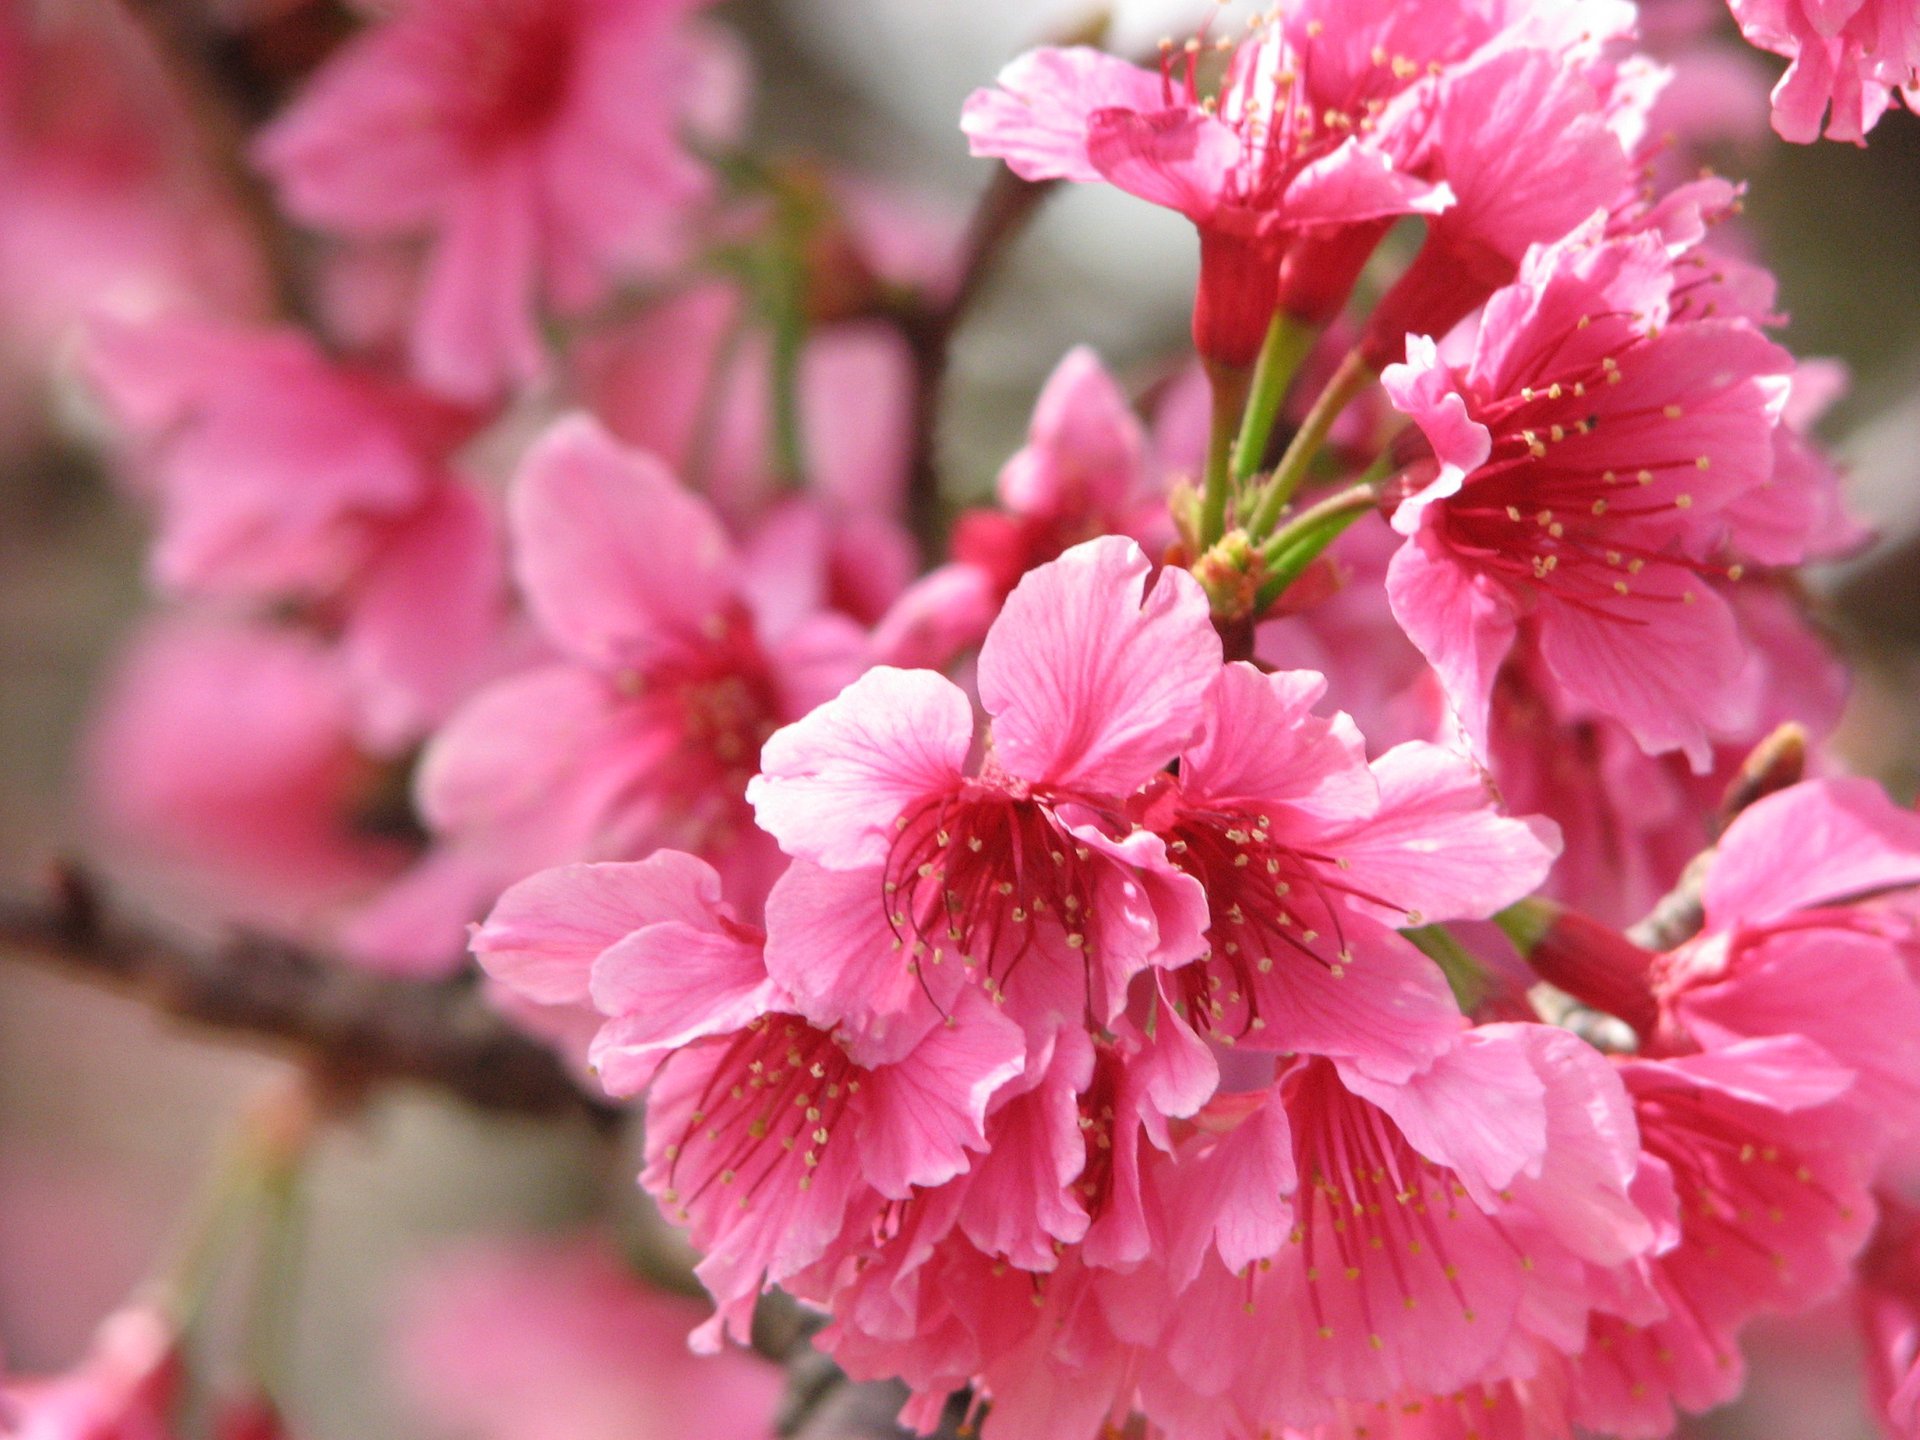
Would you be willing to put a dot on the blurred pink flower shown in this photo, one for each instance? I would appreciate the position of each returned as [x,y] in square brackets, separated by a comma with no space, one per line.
[1850,59]
[1086,470]
[537,142]
[669,670]
[557,1339]
[223,757]
[690,380]
[110,208]
[281,477]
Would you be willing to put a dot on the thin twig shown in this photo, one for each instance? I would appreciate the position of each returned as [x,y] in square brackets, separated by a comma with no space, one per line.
[1004,209]
[228,91]
[352,1027]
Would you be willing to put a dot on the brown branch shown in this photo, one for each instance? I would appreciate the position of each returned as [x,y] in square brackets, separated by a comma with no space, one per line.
[1778,761]
[1004,209]
[351,1027]
[229,81]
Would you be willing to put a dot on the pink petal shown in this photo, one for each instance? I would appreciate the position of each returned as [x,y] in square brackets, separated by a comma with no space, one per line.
[927,1110]
[1233,1187]
[1423,388]
[833,783]
[1581,1194]
[1850,994]
[618,562]
[831,948]
[475,333]
[1092,680]
[418,925]
[427,614]
[1810,845]
[544,933]
[504,759]
[1037,119]
[1480,1110]
[1461,622]
[1262,742]
[1019,1199]
[1178,158]
[1672,670]
[671,983]
[1085,448]
[1437,847]
[1355,183]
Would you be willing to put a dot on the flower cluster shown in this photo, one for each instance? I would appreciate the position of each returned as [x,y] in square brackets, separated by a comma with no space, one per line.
[1066,965]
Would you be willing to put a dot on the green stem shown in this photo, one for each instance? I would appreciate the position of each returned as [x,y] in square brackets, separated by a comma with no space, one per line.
[1229,397]
[1465,975]
[1286,345]
[1525,922]
[713,398]
[212,1230]
[1353,376]
[1292,548]
[271,1309]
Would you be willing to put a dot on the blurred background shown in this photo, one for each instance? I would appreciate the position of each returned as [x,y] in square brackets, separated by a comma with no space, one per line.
[109,1118]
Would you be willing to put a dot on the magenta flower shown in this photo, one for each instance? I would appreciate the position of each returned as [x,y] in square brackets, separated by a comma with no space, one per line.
[1310,857]
[1587,452]
[1022,868]
[1849,61]
[765,1133]
[536,142]
[642,732]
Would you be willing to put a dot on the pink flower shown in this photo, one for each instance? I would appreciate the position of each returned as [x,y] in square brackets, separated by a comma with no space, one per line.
[1787,949]
[688,380]
[282,478]
[1022,867]
[223,756]
[1300,150]
[1586,455]
[1849,61]
[1765,1163]
[1437,1223]
[642,732]
[1086,470]
[1529,148]
[765,1132]
[557,1339]
[536,142]
[1309,857]
[113,206]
